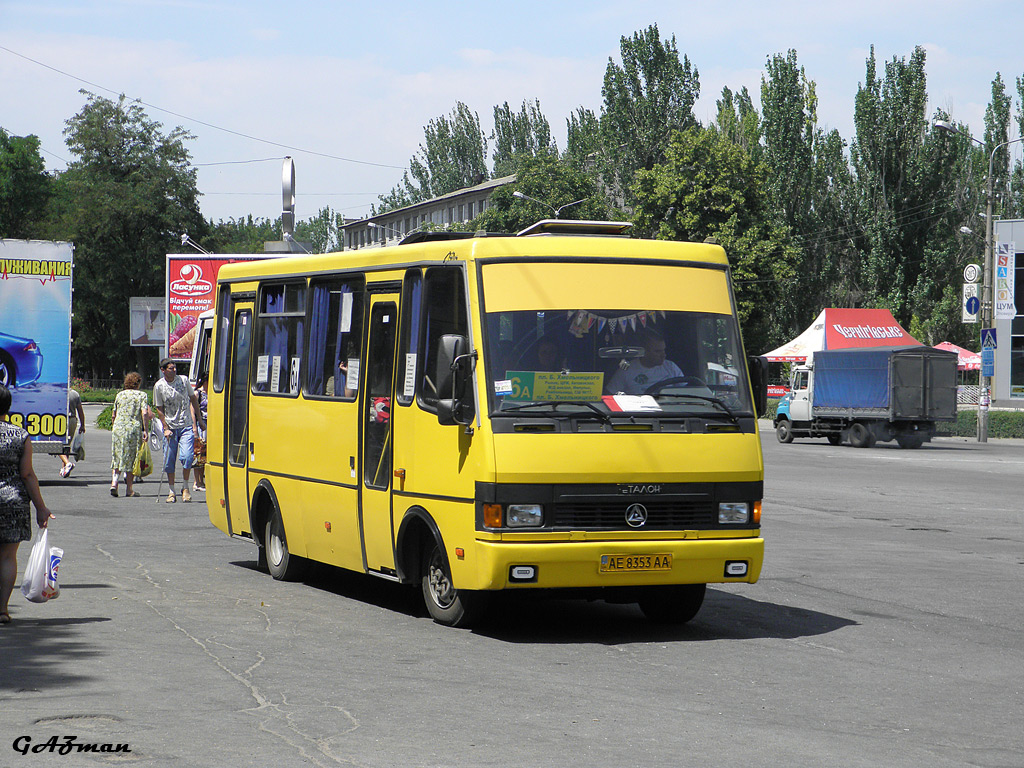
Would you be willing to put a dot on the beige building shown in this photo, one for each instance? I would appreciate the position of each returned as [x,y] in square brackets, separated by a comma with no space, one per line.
[389,228]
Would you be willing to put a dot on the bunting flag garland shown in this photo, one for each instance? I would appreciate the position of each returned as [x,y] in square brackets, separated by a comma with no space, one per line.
[582,320]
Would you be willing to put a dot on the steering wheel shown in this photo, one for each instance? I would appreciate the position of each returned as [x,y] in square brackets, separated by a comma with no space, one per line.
[689,381]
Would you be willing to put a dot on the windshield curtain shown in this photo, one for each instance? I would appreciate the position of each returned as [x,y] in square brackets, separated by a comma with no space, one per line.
[619,360]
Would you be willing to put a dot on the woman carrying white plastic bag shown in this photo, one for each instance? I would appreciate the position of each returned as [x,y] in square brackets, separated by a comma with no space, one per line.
[18,486]
[40,581]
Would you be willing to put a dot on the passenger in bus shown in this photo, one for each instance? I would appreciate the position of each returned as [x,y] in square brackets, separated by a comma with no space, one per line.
[342,377]
[645,372]
[549,355]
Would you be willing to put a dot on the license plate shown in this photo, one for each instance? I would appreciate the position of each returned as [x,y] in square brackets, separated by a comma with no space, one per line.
[619,563]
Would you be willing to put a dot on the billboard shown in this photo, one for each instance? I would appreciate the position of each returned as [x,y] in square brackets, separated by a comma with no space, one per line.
[191,290]
[35,334]
[147,322]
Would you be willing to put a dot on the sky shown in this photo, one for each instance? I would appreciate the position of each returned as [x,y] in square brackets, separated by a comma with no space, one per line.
[346,88]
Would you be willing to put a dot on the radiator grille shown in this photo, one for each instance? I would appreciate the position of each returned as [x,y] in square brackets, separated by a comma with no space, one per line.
[667,514]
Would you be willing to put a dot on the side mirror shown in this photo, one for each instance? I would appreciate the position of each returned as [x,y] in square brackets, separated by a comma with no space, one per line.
[758,367]
[452,373]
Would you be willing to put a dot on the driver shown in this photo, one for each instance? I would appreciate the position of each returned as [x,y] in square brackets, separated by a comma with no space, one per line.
[641,374]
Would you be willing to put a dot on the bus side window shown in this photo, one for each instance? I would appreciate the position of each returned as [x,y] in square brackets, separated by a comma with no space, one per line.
[445,303]
[412,306]
[279,332]
[335,332]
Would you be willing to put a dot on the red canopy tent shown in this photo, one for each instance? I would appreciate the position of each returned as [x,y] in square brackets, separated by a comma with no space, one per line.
[842,329]
[966,360]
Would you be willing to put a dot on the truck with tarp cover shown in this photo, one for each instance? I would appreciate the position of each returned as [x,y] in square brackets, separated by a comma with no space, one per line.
[864,395]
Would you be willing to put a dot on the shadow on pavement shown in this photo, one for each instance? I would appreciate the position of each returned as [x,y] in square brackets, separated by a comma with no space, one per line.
[41,654]
[532,617]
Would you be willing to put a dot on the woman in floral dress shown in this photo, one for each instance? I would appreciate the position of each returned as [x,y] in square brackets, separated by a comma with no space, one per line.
[130,431]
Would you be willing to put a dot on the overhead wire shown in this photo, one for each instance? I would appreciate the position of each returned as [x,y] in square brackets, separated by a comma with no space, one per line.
[203,122]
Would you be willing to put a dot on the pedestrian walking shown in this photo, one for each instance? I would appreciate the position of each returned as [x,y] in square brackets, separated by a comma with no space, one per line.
[76,426]
[176,405]
[130,431]
[18,486]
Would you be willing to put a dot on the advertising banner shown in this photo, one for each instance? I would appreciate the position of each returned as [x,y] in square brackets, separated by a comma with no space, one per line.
[191,284]
[1006,256]
[35,334]
[147,321]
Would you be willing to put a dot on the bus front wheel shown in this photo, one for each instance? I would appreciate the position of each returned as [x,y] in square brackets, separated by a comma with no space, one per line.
[446,604]
[675,604]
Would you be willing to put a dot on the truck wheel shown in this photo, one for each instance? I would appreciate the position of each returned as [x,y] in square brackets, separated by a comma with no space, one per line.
[783,431]
[909,441]
[835,439]
[861,436]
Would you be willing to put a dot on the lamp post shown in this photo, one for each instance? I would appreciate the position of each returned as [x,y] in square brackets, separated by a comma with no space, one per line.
[186,240]
[554,210]
[988,281]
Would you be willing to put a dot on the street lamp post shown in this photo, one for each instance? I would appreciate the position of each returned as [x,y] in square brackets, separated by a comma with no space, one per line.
[554,210]
[988,281]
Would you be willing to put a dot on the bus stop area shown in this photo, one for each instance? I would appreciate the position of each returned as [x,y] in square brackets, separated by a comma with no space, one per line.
[885,630]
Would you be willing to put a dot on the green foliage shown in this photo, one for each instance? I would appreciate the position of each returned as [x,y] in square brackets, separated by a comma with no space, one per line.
[123,201]
[647,99]
[583,140]
[708,187]
[451,157]
[1001,424]
[25,187]
[544,177]
[241,235]
[519,135]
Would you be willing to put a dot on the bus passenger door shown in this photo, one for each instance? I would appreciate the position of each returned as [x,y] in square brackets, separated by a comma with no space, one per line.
[236,440]
[377,394]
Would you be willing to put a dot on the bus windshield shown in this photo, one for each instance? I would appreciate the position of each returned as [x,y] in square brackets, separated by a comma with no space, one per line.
[654,357]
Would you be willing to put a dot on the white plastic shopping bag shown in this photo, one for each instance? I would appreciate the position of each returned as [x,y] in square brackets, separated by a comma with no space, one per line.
[40,581]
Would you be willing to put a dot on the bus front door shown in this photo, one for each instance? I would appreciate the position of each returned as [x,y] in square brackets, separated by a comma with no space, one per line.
[377,393]
[237,438]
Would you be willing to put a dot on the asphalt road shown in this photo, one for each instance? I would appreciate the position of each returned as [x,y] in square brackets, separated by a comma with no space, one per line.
[885,631]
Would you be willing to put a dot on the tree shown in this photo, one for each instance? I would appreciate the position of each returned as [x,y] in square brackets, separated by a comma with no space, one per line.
[519,135]
[25,187]
[451,157]
[708,187]
[124,201]
[646,100]
[905,194]
[543,177]
[583,139]
[739,121]
[246,235]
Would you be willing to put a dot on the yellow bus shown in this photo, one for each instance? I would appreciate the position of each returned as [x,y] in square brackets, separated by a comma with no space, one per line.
[565,409]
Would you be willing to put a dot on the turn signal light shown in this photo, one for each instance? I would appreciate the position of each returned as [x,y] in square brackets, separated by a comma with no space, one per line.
[492,515]
[757,513]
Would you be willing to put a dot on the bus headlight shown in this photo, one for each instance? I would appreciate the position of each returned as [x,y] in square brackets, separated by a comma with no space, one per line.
[525,516]
[733,512]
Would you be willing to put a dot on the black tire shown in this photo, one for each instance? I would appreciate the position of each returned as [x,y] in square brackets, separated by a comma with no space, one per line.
[446,604]
[835,439]
[8,375]
[910,441]
[675,604]
[784,431]
[861,436]
[282,564]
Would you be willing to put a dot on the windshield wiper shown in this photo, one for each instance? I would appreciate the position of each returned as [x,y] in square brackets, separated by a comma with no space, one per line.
[713,400]
[555,403]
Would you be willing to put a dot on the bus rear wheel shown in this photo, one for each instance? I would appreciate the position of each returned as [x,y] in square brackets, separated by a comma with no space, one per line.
[282,565]
[675,604]
[446,604]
